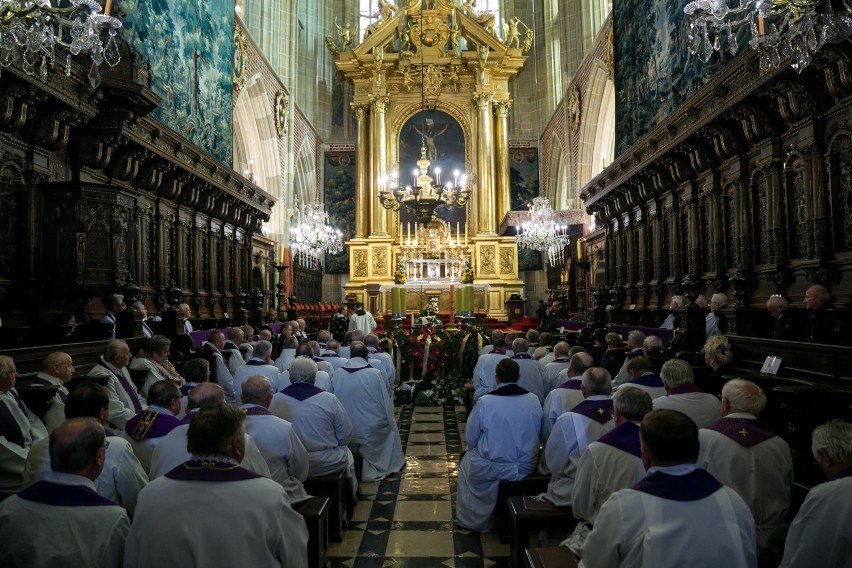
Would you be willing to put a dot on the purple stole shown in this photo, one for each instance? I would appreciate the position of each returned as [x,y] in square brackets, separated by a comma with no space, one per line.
[59,392]
[841,474]
[256,411]
[301,391]
[356,369]
[743,431]
[9,426]
[647,381]
[522,356]
[203,470]
[560,360]
[256,363]
[573,384]
[497,352]
[131,394]
[184,389]
[329,355]
[231,345]
[61,495]
[598,410]
[374,350]
[318,360]
[624,437]
[683,389]
[150,424]
[188,416]
[693,486]
[510,389]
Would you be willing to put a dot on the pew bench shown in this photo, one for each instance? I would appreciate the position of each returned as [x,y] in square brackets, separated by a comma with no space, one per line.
[315,513]
[549,557]
[527,518]
[532,484]
[334,488]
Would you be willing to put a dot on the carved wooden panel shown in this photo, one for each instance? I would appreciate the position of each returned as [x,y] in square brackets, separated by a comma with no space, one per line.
[844,198]
[507,261]
[760,236]
[487,259]
[360,260]
[380,262]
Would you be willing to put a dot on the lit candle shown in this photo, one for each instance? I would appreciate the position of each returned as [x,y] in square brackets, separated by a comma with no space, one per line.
[438,175]
[409,232]
[108,7]
[465,235]
[458,232]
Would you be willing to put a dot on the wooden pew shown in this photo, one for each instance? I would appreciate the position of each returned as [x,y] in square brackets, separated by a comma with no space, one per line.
[315,513]
[549,557]
[532,484]
[528,517]
[334,488]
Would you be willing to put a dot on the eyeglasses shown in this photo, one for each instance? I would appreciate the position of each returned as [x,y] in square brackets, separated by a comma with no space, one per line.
[106,444]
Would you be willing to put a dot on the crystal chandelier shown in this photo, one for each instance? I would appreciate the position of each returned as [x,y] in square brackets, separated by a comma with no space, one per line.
[314,234]
[543,232]
[780,29]
[424,197]
[30,30]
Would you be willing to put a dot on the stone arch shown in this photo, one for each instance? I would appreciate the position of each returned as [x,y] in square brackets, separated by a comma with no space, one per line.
[304,180]
[596,137]
[256,139]
[556,188]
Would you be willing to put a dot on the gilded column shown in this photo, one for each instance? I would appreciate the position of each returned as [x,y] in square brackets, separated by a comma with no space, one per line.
[362,172]
[501,159]
[486,212]
[379,155]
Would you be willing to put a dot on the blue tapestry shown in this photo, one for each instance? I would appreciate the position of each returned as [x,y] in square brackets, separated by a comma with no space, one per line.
[190,47]
[523,179]
[654,71]
[339,183]
[444,141]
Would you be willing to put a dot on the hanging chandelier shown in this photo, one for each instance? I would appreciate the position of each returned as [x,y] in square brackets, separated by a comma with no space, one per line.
[31,30]
[314,234]
[780,29]
[543,232]
[426,194]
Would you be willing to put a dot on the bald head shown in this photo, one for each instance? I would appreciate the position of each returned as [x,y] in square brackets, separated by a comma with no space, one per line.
[561,349]
[77,447]
[257,390]
[205,394]
[59,365]
[579,363]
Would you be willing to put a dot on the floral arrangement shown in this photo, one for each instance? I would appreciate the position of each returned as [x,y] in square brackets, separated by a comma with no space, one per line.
[467,274]
[399,274]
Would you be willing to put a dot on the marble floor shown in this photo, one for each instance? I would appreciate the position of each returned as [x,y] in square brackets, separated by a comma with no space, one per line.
[407,520]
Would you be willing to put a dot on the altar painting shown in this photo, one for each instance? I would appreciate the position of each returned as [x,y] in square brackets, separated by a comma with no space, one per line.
[524,186]
[339,183]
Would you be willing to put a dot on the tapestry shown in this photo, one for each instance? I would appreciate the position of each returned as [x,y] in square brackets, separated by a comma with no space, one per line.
[654,71]
[444,140]
[339,183]
[192,55]
[524,184]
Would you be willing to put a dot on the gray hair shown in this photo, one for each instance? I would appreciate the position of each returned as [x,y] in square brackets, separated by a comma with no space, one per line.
[114,300]
[580,362]
[776,301]
[113,348]
[196,370]
[676,373]
[678,300]
[138,306]
[820,292]
[718,350]
[632,403]
[75,443]
[357,335]
[520,345]
[236,334]
[539,353]
[652,341]
[315,350]
[371,340]
[561,348]
[212,429]
[262,349]
[835,438]
[303,370]
[333,345]
[156,344]
[636,337]
[205,394]
[497,334]
[744,396]
[323,336]
[256,389]
[6,363]
[596,381]
[291,342]
[720,299]
[532,336]
[638,364]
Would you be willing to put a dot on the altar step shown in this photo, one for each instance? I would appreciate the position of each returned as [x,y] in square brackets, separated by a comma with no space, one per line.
[490,323]
[528,323]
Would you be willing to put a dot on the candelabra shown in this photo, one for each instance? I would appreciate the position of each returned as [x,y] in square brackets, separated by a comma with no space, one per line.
[424,197]
[788,29]
[279,294]
[30,31]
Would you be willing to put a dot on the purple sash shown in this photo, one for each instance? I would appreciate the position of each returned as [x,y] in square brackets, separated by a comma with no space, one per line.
[256,411]
[9,426]
[743,431]
[150,424]
[573,384]
[598,410]
[231,345]
[684,389]
[624,437]
[561,361]
[356,369]
[301,391]
[184,389]
[20,403]
[647,381]
[522,356]
[510,389]
[841,474]
[256,363]
[189,416]
[131,394]
[318,360]
[693,486]
[61,495]
[374,350]
[202,470]
[329,355]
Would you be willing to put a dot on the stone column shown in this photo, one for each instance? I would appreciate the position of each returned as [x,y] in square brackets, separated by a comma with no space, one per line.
[362,172]
[501,159]
[486,203]
[379,142]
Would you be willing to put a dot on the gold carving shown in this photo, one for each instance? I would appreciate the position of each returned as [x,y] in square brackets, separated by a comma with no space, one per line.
[483,101]
[359,111]
[502,108]
[432,82]
[239,75]
[511,35]
[281,110]
[574,109]
[487,263]
[507,261]
[380,103]
[380,262]
[360,263]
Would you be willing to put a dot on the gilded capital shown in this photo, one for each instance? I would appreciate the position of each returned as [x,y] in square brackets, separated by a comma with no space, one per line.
[483,100]
[359,110]
[502,108]
[380,103]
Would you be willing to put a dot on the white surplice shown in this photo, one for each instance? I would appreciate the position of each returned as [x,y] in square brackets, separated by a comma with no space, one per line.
[121,393]
[283,451]
[484,373]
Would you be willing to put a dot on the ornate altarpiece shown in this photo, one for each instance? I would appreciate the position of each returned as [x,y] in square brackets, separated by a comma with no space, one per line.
[462,68]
